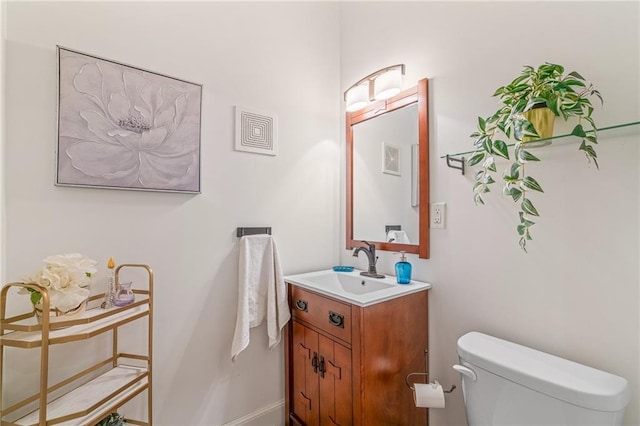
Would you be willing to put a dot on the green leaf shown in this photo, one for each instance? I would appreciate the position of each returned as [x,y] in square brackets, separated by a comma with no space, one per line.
[595,92]
[515,194]
[576,75]
[573,82]
[523,244]
[531,183]
[475,158]
[479,174]
[35,296]
[525,156]
[553,106]
[477,198]
[522,128]
[489,163]
[524,220]
[482,124]
[479,141]
[500,148]
[489,180]
[591,151]
[487,145]
[578,131]
[527,207]
[591,122]
[515,170]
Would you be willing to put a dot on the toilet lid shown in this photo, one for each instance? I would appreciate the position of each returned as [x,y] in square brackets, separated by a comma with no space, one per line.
[557,377]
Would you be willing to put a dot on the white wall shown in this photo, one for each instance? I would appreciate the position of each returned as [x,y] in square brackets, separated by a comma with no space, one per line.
[576,293]
[281,57]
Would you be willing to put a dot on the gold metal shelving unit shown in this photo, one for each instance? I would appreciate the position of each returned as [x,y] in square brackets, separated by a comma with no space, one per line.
[457,161]
[94,392]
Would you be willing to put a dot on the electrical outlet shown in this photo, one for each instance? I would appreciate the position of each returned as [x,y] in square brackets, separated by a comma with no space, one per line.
[438,214]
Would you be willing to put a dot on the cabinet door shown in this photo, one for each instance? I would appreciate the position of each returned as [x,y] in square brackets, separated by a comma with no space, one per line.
[305,392]
[335,383]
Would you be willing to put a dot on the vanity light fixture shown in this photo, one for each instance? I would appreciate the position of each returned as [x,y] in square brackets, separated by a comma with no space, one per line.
[381,84]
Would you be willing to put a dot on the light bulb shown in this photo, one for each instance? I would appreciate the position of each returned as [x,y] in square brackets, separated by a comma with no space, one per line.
[358,97]
[388,84]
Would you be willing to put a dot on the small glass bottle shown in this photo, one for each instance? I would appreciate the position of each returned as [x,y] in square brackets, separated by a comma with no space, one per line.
[403,270]
[110,294]
[124,296]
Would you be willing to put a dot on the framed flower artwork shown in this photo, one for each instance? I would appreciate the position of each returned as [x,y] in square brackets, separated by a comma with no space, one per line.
[122,127]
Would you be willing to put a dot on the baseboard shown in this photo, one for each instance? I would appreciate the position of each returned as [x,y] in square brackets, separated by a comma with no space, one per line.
[271,415]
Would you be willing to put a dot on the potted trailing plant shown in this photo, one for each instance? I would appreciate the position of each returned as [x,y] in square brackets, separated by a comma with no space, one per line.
[544,91]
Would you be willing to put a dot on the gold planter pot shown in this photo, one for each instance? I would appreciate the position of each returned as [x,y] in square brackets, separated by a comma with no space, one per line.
[542,119]
[56,315]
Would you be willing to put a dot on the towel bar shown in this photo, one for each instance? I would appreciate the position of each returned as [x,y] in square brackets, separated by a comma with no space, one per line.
[240,232]
[388,228]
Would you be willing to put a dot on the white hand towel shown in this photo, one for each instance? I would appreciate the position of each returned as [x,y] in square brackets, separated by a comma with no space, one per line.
[399,237]
[261,292]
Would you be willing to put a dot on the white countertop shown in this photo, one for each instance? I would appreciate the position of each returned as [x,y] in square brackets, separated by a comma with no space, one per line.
[354,288]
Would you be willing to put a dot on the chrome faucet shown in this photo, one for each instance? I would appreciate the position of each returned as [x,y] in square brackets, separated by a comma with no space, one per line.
[373,259]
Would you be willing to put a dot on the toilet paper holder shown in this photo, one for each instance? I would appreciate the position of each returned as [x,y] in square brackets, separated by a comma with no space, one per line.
[410,385]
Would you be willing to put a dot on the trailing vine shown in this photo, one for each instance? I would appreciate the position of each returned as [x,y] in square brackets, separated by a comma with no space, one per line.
[565,96]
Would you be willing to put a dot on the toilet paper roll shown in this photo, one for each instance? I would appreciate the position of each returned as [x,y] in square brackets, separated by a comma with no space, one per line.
[428,395]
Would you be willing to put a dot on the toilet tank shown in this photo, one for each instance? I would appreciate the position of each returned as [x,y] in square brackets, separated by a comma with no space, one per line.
[517,385]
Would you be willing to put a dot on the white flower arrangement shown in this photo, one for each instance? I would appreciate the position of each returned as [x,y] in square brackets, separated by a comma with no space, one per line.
[66,278]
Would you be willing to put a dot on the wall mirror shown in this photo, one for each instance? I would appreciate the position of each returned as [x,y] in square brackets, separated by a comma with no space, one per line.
[388,173]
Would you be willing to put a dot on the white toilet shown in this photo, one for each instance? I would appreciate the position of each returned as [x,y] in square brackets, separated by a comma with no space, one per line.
[508,384]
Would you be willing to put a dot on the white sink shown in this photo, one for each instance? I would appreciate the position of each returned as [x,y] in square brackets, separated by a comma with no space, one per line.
[355,288]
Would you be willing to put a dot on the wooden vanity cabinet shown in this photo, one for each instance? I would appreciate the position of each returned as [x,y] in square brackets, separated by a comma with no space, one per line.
[346,364]
[321,378]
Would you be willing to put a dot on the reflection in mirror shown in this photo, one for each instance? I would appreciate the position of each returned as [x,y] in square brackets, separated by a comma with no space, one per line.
[382,177]
[388,175]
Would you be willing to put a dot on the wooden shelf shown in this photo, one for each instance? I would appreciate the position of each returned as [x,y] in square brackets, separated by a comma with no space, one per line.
[123,381]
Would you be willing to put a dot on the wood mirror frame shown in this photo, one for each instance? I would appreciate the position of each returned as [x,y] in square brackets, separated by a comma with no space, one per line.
[419,95]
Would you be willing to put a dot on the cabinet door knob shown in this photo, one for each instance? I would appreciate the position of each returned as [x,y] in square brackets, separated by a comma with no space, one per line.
[336,319]
[301,305]
[314,362]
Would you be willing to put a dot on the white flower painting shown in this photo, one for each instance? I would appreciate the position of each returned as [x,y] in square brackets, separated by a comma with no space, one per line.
[122,127]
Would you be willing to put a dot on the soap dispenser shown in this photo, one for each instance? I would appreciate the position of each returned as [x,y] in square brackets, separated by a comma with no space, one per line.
[403,270]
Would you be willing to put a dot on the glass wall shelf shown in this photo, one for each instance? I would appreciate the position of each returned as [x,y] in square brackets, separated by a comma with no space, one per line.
[457,161]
